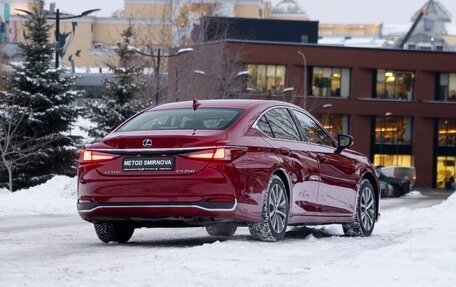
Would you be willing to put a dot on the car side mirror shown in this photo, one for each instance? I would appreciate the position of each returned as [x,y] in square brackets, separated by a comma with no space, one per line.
[343,141]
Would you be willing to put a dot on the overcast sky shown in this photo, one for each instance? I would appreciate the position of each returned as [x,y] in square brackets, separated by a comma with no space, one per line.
[325,11]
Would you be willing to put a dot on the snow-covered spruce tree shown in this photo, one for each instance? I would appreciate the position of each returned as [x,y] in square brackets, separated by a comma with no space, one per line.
[48,97]
[120,96]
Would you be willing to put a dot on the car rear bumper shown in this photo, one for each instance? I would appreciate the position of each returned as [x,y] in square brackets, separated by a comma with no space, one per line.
[211,193]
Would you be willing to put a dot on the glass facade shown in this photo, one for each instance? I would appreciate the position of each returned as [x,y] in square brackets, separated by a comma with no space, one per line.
[395,85]
[446,154]
[266,78]
[393,130]
[446,170]
[330,82]
[393,159]
[446,87]
[334,124]
[393,141]
[447,133]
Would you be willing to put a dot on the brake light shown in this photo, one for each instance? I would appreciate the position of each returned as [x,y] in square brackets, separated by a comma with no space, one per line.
[94,156]
[414,178]
[221,153]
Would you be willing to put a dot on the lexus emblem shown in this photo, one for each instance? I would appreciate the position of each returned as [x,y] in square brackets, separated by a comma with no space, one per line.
[147,143]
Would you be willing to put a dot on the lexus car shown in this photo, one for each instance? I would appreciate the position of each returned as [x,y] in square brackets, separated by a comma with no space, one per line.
[222,164]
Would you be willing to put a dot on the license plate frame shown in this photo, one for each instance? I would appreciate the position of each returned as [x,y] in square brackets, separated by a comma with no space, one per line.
[158,163]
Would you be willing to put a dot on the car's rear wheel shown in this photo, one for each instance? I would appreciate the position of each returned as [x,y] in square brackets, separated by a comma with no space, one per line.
[274,216]
[118,232]
[365,214]
[221,229]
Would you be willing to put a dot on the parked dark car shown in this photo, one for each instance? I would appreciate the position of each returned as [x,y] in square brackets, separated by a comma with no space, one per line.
[400,186]
[223,164]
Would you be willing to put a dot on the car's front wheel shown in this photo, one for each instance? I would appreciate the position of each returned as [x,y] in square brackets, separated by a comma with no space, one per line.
[118,232]
[274,216]
[365,214]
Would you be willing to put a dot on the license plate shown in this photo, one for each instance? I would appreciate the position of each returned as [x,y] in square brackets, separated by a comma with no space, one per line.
[149,164]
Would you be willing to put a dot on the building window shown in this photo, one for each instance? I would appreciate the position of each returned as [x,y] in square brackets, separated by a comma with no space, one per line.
[447,87]
[446,154]
[395,85]
[334,124]
[393,141]
[446,171]
[393,131]
[330,82]
[266,78]
[393,160]
[447,133]
[438,48]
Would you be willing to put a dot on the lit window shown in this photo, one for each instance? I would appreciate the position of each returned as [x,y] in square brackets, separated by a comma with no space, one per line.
[330,82]
[393,160]
[334,124]
[447,132]
[266,78]
[446,171]
[395,85]
[393,131]
[447,87]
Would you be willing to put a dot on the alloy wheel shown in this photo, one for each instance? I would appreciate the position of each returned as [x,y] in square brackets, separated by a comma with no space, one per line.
[277,208]
[367,208]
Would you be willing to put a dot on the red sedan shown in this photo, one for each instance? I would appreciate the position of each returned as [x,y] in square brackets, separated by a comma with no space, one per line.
[223,164]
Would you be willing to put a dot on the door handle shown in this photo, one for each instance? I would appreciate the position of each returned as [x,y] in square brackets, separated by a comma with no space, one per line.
[284,151]
[322,157]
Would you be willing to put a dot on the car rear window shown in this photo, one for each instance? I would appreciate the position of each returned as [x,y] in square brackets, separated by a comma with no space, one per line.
[184,119]
[401,172]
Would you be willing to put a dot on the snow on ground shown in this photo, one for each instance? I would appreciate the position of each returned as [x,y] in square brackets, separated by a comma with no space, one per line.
[56,196]
[413,194]
[409,247]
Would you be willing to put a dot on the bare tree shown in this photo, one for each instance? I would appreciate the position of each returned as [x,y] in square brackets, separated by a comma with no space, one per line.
[15,150]
[179,27]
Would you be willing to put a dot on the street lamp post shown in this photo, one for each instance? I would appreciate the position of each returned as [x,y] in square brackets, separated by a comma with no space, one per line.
[159,56]
[57,19]
[304,60]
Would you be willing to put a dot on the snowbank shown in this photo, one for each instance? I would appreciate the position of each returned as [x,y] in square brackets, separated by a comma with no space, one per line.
[56,196]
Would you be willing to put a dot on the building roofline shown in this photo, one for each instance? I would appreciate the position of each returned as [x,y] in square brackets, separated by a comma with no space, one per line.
[386,50]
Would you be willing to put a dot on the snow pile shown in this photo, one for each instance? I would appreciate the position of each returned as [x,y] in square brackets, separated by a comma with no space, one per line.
[419,249]
[56,196]
[413,194]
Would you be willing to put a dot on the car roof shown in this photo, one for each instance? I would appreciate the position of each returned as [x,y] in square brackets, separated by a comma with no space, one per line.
[234,104]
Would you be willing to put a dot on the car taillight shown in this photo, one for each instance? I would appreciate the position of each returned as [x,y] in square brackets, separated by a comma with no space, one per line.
[94,156]
[220,153]
[414,178]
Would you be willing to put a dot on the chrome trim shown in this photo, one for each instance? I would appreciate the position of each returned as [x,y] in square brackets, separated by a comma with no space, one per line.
[255,125]
[321,126]
[314,178]
[163,206]
[139,150]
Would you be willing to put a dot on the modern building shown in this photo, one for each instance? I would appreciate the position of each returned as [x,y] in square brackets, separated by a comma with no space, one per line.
[430,29]
[399,105]
[159,24]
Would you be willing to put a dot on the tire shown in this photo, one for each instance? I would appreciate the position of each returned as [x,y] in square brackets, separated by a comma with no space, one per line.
[366,210]
[274,215]
[118,232]
[221,229]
